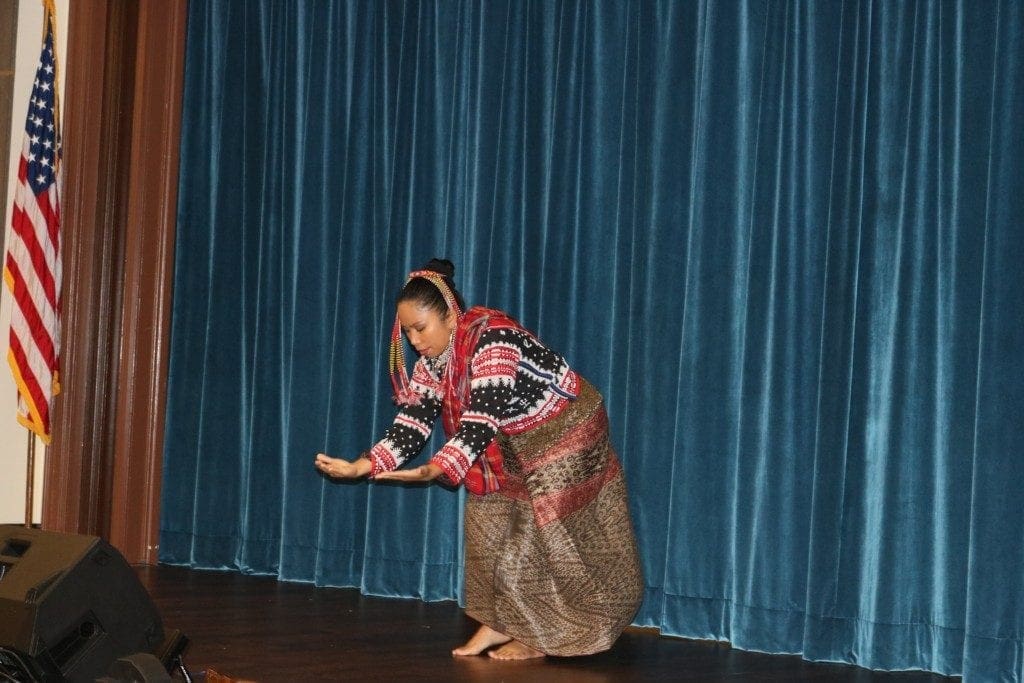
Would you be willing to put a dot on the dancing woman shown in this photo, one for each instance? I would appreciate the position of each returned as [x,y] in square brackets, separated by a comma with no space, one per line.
[551,560]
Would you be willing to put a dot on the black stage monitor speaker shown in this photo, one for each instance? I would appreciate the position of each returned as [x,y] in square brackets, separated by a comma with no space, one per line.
[70,606]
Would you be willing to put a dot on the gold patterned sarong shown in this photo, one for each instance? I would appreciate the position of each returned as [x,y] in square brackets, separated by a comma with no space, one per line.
[551,559]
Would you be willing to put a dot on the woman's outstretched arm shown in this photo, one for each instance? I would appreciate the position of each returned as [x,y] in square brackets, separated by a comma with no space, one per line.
[338,468]
[428,472]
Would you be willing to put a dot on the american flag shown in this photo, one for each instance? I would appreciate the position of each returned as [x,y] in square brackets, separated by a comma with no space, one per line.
[32,269]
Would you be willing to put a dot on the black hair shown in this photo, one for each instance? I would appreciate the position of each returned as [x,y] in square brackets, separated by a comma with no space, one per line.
[425,293]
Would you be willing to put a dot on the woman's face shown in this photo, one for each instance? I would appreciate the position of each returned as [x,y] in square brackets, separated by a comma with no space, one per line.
[427,330]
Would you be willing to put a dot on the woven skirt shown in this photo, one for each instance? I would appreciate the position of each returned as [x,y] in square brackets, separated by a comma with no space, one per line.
[551,559]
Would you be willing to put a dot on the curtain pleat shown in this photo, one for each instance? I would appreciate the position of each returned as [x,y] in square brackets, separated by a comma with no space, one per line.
[784,239]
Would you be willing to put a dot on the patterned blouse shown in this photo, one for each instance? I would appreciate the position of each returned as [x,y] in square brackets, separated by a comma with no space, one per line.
[515,383]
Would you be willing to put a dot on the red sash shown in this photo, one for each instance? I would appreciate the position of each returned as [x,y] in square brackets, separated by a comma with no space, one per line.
[487,474]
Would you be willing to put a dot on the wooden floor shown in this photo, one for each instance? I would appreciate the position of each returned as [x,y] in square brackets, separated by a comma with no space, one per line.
[259,629]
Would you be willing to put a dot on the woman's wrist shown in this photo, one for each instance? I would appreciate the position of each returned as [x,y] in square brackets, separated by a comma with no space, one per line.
[363,466]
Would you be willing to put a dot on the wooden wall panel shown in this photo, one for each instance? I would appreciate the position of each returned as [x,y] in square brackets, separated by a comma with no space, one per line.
[78,468]
[148,279]
[122,110]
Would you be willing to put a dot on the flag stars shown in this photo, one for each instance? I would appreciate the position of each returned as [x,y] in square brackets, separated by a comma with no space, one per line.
[41,139]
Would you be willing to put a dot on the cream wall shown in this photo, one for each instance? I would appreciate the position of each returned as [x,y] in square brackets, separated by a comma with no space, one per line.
[13,439]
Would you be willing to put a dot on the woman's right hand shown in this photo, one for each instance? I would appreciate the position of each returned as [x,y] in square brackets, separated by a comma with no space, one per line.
[338,468]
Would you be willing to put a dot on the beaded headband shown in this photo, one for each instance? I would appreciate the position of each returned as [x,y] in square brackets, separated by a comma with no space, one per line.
[396,355]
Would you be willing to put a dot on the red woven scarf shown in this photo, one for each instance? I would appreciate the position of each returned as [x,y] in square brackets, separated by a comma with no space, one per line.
[487,474]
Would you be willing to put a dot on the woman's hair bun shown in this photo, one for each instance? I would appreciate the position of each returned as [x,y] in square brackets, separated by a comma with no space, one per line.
[442,266]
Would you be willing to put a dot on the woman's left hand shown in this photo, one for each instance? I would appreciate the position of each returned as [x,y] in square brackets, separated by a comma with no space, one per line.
[427,472]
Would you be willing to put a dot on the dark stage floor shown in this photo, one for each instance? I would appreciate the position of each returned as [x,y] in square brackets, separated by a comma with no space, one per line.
[259,629]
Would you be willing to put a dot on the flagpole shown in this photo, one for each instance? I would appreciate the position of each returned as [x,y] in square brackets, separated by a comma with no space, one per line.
[31,476]
[32,267]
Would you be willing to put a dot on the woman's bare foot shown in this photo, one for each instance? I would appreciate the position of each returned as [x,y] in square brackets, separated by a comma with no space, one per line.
[515,650]
[484,638]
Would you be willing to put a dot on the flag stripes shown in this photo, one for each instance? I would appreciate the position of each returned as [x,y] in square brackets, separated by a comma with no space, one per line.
[32,268]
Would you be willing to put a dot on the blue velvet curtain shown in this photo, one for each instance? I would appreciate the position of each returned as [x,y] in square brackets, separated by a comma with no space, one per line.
[783,238]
